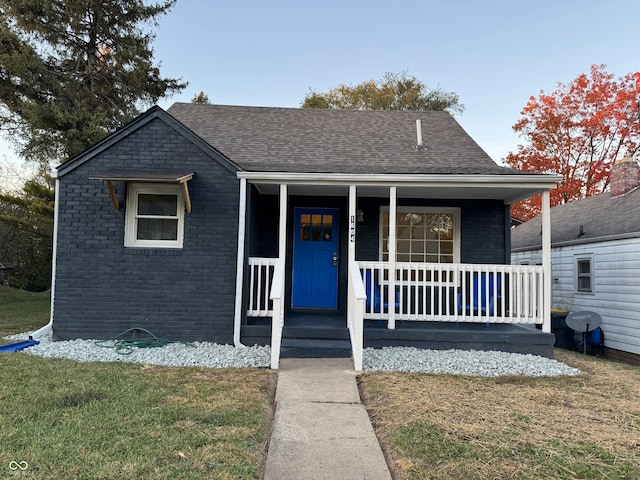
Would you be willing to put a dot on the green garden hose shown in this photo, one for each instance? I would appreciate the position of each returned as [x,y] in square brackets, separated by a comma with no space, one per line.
[126,346]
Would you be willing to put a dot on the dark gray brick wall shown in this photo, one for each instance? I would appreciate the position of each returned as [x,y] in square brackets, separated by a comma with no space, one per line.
[483,235]
[262,224]
[103,288]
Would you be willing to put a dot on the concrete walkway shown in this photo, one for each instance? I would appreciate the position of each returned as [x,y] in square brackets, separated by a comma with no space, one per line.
[321,429]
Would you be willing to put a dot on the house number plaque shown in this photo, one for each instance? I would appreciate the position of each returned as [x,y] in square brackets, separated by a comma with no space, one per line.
[352,228]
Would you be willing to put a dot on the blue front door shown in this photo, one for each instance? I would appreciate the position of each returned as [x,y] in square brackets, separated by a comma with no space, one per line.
[315,258]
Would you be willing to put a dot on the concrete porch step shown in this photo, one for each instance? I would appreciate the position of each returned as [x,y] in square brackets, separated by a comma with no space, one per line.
[315,333]
[314,348]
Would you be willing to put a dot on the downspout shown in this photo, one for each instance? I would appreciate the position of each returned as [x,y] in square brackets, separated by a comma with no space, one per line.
[242,210]
[49,326]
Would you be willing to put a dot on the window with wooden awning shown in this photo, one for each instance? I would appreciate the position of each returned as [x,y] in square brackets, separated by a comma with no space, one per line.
[179,177]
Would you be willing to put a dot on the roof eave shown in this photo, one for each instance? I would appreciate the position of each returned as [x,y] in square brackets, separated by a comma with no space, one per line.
[539,181]
[508,188]
[581,241]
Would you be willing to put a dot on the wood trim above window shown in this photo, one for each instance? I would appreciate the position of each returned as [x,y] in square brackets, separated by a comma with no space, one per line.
[145,176]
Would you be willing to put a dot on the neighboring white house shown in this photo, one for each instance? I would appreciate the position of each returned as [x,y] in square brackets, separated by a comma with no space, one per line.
[595,258]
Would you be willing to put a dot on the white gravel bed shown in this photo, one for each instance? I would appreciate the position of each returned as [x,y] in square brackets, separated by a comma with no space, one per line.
[388,359]
[463,362]
[194,354]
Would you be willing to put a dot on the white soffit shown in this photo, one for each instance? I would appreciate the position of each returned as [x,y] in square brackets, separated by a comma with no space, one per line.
[509,188]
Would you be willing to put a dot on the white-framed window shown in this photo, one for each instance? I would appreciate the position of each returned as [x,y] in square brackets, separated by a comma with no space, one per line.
[423,234]
[584,274]
[155,216]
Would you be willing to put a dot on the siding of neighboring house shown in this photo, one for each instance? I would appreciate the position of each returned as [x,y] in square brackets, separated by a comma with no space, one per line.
[616,286]
[103,288]
[603,229]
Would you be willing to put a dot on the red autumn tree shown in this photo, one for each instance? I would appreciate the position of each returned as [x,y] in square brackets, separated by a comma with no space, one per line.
[578,131]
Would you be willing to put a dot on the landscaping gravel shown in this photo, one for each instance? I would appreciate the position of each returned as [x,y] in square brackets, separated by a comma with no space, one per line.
[388,359]
[463,362]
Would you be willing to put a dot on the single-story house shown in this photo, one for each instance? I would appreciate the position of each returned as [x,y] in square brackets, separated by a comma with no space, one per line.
[595,258]
[243,224]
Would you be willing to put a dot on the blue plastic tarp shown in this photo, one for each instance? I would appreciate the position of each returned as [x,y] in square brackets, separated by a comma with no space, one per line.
[15,347]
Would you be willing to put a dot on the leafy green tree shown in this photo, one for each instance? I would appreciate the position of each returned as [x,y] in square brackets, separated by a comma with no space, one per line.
[201,98]
[395,91]
[26,233]
[73,71]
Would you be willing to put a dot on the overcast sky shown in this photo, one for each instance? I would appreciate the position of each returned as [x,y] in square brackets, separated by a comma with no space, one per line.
[493,54]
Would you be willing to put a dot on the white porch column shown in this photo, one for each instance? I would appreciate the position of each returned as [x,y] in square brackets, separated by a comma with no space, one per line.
[351,251]
[242,210]
[546,260]
[352,224]
[282,229]
[391,292]
[278,289]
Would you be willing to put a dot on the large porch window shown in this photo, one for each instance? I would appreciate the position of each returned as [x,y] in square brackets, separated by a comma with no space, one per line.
[423,234]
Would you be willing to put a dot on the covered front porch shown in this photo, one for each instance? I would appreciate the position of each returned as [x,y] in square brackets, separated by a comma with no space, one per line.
[430,304]
[479,307]
[326,335]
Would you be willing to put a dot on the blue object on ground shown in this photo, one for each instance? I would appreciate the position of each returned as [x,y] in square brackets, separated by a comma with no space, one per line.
[15,347]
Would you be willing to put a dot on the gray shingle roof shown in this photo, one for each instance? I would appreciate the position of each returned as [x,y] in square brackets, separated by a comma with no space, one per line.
[266,139]
[601,217]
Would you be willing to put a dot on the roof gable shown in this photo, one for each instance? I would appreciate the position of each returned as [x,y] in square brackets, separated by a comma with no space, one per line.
[594,219]
[137,123]
[266,139]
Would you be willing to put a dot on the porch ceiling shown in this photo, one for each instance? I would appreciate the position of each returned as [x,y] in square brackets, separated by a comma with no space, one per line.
[509,189]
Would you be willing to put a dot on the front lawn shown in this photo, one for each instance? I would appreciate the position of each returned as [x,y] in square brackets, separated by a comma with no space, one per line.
[67,420]
[61,419]
[455,427]
[22,311]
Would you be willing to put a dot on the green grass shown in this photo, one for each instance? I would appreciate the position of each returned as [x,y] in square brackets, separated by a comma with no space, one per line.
[69,420]
[128,421]
[22,311]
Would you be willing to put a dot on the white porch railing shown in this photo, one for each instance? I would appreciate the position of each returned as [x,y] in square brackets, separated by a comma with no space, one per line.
[277,320]
[261,273]
[423,292]
[455,292]
[356,298]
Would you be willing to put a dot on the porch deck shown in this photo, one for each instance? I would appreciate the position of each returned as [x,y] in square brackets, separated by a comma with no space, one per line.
[313,334]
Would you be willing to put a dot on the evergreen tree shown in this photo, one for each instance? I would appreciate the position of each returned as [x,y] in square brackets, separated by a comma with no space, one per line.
[73,71]
[26,233]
